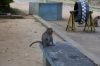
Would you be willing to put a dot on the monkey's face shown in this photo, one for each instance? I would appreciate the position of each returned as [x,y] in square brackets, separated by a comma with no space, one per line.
[98,17]
[50,32]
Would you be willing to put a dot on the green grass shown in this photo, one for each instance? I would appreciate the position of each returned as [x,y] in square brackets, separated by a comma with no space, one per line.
[36,20]
[16,11]
[13,11]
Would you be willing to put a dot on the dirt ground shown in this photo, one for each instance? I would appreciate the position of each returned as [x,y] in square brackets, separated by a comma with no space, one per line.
[15,37]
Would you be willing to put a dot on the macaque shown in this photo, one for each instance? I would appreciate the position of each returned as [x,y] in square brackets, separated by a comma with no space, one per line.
[46,38]
[96,21]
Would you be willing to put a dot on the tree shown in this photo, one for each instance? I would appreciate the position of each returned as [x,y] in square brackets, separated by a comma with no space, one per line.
[5,4]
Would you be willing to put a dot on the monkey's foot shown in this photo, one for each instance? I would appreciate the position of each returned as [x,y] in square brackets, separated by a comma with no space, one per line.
[53,45]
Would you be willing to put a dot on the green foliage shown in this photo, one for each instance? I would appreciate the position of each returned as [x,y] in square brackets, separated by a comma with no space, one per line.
[16,11]
[5,4]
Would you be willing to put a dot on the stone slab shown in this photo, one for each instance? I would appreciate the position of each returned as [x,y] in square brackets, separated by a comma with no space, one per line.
[65,54]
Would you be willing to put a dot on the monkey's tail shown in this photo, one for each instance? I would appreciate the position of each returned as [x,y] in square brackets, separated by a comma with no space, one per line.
[35,42]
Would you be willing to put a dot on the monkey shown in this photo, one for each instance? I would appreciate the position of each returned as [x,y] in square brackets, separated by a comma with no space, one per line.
[46,38]
[96,21]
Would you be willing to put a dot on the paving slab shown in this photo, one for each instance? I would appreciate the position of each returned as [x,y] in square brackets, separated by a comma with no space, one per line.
[64,54]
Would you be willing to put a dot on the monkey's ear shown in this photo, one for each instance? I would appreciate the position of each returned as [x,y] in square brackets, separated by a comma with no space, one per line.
[49,28]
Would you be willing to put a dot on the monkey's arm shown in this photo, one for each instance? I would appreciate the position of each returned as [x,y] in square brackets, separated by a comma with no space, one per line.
[45,42]
[52,41]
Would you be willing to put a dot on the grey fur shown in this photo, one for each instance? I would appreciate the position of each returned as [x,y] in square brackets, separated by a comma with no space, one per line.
[46,38]
[96,21]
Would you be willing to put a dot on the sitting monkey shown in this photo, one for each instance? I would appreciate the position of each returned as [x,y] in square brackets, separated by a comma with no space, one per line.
[46,38]
[96,21]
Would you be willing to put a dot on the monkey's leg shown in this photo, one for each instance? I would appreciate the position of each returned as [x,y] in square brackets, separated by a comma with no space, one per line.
[96,24]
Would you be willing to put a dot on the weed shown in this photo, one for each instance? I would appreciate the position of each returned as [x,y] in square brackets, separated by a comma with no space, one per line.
[36,20]
[14,11]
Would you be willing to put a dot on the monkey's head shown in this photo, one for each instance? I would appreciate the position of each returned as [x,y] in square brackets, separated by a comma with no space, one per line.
[98,17]
[49,31]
